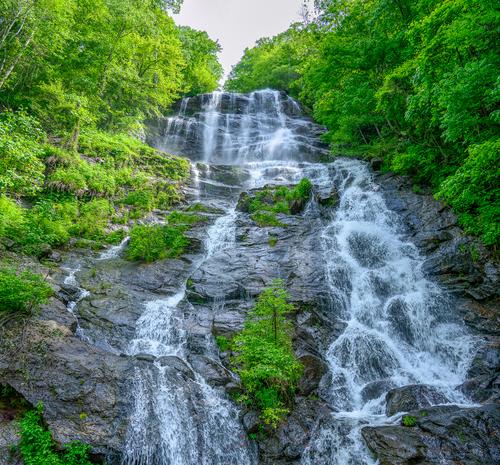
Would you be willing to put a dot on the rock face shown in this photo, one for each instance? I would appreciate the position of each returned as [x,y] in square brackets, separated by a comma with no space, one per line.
[441,435]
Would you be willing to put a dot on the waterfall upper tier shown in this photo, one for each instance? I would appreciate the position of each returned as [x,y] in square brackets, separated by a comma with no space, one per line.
[231,128]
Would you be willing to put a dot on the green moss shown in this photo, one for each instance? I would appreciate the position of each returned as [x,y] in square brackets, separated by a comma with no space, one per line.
[266,204]
[267,219]
[272,241]
[409,421]
[37,446]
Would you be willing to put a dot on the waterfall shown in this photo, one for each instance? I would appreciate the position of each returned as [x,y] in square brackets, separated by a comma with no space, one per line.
[236,128]
[399,327]
[178,418]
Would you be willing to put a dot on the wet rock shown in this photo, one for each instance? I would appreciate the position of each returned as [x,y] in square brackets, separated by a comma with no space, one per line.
[176,364]
[375,389]
[287,444]
[412,397]
[314,369]
[146,357]
[212,371]
[328,199]
[251,422]
[82,388]
[9,437]
[442,435]
[483,377]
[244,201]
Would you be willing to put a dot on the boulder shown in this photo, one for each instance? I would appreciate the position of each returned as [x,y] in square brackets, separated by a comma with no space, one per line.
[412,397]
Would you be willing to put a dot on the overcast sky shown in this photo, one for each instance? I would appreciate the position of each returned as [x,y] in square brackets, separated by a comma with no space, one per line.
[237,24]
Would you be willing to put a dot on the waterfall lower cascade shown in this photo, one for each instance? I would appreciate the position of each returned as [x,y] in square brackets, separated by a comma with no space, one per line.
[398,327]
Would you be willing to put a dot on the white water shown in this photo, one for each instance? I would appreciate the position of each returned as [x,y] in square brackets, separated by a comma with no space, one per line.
[180,422]
[114,251]
[237,128]
[399,327]
[70,280]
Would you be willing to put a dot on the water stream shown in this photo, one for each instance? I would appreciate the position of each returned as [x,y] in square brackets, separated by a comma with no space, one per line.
[399,327]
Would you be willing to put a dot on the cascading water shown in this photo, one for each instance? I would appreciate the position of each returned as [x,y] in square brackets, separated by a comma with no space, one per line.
[399,328]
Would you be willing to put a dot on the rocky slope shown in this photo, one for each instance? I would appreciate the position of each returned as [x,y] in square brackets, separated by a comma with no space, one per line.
[79,363]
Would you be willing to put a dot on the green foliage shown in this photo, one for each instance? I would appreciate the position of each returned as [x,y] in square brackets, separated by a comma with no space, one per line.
[77,80]
[267,203]
[266,363]
[22,292]
[409,421]
[203,70]
[474,192]
[37,446]
[413,82]
[223,343]
[267,219]
[272,241]
[150,243]
[21,167]
[105,63]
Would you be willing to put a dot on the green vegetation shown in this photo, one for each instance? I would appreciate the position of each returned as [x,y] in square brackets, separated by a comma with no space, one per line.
[409,420]
[266,203]
[21,292]
[157,242]
[264,358]
[78,80]
[223,343]
[272,241]
[412,82]
[37,446]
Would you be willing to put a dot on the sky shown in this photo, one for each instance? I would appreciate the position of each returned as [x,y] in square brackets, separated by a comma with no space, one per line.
[237,24]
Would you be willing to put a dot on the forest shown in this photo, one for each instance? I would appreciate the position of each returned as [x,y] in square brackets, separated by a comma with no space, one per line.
[415,83]
[78,80]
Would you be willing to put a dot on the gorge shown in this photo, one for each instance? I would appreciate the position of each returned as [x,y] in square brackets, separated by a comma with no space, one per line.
[394,317]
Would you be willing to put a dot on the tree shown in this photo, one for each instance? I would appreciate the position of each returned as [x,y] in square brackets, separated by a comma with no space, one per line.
[266,363]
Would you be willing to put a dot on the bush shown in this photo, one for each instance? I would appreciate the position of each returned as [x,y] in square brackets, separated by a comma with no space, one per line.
[474,192]
[12,218]
[266,363]
[37,446]
[22,292]
[21,150]
[93,220]
[409,420]
[271,201]
[150,243]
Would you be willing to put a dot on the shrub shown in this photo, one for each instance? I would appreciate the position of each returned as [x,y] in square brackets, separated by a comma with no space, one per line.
[12,218]
[474,192]
[21,150]
[271,201]
[150,243]
[409,420]
[37,446]
[93,219]
[223,343]
[266,363]
[22,292]
[264,219]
